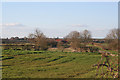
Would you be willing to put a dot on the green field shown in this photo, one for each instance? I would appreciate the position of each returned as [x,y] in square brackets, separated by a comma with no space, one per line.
[46,64]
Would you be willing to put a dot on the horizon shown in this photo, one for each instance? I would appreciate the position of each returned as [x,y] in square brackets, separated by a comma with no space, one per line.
[58,19]
[47,37]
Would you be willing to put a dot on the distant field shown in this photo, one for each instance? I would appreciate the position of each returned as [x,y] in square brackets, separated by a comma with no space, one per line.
[46,64]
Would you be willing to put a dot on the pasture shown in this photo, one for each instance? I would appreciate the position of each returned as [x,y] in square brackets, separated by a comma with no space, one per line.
[48,64]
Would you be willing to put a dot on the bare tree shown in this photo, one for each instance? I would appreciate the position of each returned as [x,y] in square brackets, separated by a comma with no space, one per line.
[113,34]
[86,36]
[112,38]
[39,39]
[74,37]
[79,39]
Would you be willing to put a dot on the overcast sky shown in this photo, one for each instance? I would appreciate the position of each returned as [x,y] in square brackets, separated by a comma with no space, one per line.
[57,19]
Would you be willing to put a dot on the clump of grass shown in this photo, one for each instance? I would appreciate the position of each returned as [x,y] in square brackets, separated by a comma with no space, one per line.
[38,59]
[7,57]
[42,70]
[20,52]
[67,60]
[56,58]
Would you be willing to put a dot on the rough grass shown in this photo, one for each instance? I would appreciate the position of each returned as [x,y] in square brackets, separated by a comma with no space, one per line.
[49,64]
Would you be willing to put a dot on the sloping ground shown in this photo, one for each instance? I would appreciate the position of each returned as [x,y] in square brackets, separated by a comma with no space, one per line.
[50,65]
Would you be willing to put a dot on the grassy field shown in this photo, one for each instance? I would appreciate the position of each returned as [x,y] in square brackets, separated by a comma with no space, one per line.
[48,64]
[42,64]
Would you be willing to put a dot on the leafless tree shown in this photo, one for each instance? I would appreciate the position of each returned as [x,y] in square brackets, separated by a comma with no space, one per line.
[74,37]
[39,39]
[79,39]
[113,34]
[112,38]
[86,36]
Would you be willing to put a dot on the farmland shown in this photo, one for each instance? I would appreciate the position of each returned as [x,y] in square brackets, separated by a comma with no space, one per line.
[76,56]
[48,64]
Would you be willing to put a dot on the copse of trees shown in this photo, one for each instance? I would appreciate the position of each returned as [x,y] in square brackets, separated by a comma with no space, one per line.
[75,38]
[78,39]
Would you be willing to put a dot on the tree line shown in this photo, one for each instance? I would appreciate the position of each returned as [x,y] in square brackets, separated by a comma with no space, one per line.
[75,40]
